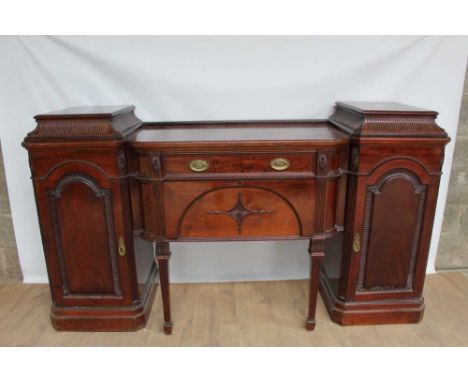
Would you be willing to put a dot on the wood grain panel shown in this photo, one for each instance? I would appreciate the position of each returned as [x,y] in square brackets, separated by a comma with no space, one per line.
[239,212]
[83,223]
[391,232]
[194,209]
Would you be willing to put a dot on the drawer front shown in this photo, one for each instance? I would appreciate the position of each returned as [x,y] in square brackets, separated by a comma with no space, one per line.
[239,210]
[241,163]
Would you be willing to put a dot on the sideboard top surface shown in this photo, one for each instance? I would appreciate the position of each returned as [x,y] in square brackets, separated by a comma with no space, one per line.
[230,133]
[115,124]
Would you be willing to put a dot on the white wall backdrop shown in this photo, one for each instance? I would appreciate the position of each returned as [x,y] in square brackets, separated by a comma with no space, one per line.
[193,78]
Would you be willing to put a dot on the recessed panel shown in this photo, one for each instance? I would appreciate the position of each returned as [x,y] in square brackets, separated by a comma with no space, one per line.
[393,225]
[83,241]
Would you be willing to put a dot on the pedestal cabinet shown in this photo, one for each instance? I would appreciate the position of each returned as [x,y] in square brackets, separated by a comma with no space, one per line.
[80,174]
[112,192]
[374,273]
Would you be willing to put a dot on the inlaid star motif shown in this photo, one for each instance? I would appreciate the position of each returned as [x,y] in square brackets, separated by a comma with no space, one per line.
[240,212]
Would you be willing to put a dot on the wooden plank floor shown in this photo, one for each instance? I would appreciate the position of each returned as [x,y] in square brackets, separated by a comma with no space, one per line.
[243,314]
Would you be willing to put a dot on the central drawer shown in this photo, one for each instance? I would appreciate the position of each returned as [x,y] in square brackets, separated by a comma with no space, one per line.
[202,164]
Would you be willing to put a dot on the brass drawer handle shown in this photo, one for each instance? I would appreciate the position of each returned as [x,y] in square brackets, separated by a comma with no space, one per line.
[122,249]
[199,165]
[280,164]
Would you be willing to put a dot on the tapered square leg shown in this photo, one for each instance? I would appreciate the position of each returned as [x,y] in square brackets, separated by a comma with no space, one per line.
[316,252]
[163,253]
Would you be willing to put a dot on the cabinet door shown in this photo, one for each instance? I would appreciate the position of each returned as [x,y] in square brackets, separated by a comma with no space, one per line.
[390,252]
[87,244]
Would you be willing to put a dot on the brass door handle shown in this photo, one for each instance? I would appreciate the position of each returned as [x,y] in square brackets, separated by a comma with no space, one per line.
[356,243]
[122,249]
[280,164]
[199,165]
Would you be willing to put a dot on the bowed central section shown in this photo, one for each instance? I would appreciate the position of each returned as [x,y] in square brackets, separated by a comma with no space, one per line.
[233,211]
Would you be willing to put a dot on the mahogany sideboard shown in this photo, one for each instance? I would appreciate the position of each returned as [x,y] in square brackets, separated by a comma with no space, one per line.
[112,192]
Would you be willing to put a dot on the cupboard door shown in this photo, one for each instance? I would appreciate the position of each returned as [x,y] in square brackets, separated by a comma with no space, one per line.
[89,243]
[392,227]
[391,234]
